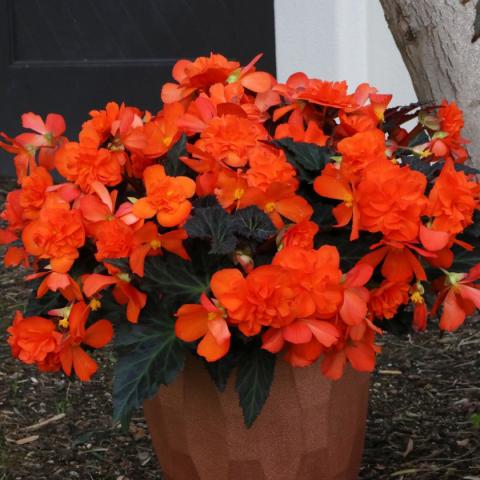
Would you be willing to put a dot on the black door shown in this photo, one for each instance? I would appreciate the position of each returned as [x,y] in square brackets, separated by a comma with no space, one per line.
[70,56]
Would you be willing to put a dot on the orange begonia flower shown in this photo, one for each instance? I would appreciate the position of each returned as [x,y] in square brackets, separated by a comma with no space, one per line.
[53,127]
[317,277]
[114,239]
[298,235]
[268,165]
[56,235]
[304,354]
[354,308]
[147,241]
[163,131]
[360,152]
[197,75]
[229,187]
[328,94]
[99,207]
[32,339]
[13,215]
[331,184]
[85,164]
[15,256]
[359,353]
[420,311]
[167,197]
[452,200]
[54,281]
[24,159]
[387,298]
[47,138]
[207,321]
[447,141]
[279,200]
[34,192]
[120,125]
[391,200]
[296,130]
[300,332]
[460,296]
[266,297]
[400,263]
[124,292]
[258,82]
[229,140]
[96,335]
[366,117]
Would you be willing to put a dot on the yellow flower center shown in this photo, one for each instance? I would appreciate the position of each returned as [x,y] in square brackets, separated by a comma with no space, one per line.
[416,297]
[425,153]
[95,304]
[167,141]
[63,322]
[238,194]
[156,244]
[211,316]
[269,207]
[348,200]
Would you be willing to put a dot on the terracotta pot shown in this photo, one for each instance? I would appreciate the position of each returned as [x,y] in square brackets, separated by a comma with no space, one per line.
[310,428]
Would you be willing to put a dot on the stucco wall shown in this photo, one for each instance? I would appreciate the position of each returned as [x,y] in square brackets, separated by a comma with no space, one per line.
[340,40]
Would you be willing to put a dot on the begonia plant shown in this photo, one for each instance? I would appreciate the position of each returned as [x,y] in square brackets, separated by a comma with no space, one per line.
[247,222]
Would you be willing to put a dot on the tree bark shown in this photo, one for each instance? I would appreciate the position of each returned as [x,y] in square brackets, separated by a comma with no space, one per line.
[435,40]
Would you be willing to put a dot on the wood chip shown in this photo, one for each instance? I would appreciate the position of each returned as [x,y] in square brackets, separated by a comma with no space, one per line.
[390,372]
[29,439]
[41,424]
[409,448]
[408,471]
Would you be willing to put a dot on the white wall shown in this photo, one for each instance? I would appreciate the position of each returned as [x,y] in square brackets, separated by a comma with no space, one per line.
[340,40]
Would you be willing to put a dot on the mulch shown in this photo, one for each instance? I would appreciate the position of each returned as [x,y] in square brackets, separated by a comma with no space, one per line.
[423,423]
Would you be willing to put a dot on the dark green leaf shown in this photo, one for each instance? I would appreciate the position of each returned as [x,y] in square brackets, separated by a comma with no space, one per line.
[350,251]
[175,277]
[474,229]
[398,115]
[121,263]
[322,214]
[400,324]
[422,166]
[111,310]
[174,167]
[150,355]
[215,225]
[253,224]
[419,139]
[208,201]
[40,306]
[464,260]
[221,369]
[432,170]
[254,379]
[467,169]
[309,159]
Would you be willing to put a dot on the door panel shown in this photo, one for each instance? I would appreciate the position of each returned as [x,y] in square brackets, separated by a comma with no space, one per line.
[70,56]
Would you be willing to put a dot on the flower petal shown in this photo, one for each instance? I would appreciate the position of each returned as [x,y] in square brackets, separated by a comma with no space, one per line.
[191,323]
[98,334]
[143,208]
[83,364]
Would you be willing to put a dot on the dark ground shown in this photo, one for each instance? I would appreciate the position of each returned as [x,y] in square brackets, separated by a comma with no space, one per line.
[424,417]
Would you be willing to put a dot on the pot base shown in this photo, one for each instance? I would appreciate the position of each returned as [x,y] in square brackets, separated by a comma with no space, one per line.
[309,429]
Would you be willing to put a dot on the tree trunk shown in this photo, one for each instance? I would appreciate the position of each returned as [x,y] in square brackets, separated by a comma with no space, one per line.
[435,40]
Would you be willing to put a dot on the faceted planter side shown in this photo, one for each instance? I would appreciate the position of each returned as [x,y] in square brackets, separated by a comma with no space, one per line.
[310,428]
